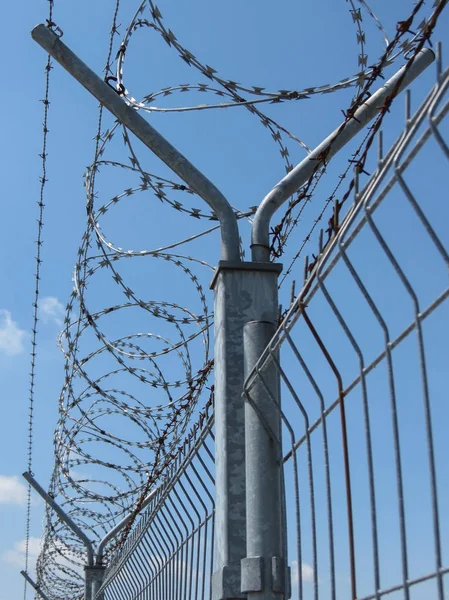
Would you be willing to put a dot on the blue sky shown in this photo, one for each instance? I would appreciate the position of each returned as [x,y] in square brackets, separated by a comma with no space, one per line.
[284,46]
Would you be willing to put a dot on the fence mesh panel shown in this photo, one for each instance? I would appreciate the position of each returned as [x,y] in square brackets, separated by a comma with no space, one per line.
[170,551]
[363,355]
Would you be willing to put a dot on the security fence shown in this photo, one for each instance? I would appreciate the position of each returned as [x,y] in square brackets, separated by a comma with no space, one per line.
[362,356]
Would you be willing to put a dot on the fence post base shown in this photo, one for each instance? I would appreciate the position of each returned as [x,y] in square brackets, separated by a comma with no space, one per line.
[255,579]
[226,583]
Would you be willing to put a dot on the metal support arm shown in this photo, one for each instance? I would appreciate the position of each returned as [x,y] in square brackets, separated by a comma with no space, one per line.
[325,151]
[34,585]
[63,516]
[146,134]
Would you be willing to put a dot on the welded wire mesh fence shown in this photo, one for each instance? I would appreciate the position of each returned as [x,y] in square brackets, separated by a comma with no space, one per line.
[363,367]
[169,553]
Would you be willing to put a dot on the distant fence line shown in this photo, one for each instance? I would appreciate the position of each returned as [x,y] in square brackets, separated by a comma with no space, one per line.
[169,552]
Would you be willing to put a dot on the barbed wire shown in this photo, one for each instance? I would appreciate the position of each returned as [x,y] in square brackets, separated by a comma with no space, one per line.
[359,157]
[61,578]
[34,331]
[130,394]
[413,47]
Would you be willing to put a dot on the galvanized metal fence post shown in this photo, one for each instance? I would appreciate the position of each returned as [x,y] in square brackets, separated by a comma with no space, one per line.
[93,577]
[263,569]
[244,292]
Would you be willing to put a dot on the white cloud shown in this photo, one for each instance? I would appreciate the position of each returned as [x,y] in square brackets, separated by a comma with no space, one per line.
[306,571]
[77,476]
[51,310]
[12,490]
[11,336]
[16,557]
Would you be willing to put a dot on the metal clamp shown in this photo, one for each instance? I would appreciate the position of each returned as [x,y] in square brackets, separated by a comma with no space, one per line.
[120,90]
[226,583]
[55,28]
[253,575]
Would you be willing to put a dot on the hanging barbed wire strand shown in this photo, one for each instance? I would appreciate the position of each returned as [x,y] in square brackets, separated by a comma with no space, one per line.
[39,242]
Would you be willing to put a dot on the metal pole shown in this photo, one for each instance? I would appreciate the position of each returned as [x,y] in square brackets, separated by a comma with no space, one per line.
[93,578]
[146,134]
[325,151]
[243,292]
[97,585]
[35,586]
[264,569]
